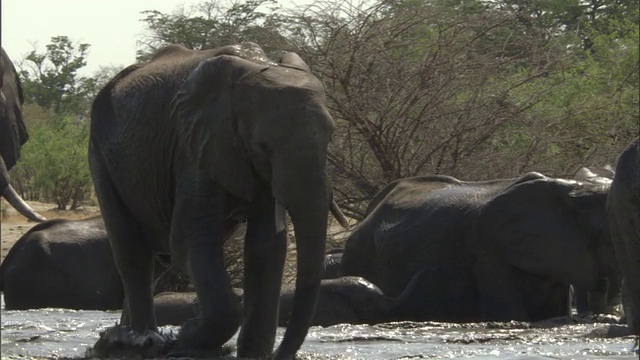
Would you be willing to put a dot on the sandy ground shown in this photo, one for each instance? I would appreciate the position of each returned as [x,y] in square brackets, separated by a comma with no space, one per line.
[13,225]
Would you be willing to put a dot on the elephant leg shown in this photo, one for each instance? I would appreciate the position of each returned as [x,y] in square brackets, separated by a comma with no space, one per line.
[133,258]
[265,251]
[198,224]
[581,298]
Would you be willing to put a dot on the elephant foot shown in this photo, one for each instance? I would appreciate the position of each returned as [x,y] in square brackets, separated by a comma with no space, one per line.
[121,341]
[200,338]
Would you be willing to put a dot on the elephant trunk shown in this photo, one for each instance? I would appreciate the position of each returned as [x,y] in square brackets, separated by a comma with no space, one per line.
[403,306]
[19,204]
[307,200]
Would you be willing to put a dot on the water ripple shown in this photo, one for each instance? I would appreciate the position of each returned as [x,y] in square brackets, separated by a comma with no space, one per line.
[58,333]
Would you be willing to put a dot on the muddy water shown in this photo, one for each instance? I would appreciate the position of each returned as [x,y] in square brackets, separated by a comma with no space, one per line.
[55,333]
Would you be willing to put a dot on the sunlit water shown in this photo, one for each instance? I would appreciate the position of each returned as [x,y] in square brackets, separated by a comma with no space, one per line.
[55,333]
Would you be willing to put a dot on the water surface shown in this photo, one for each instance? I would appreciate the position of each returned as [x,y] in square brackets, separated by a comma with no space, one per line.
[56,333]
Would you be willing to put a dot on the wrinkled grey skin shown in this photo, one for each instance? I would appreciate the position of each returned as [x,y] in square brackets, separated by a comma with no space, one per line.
[68,264]
[13,134]
[184,147]
[518,243]
[623,212]
[62,264]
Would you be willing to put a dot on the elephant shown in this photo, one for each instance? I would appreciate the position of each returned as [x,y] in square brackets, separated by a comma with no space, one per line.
[623,214]
[62,264]
[350,300]
[68,264]
[342,300]
[13,134]
[509,241]
[185,146]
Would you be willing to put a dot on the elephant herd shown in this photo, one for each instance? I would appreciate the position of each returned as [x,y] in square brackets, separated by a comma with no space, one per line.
[189,144]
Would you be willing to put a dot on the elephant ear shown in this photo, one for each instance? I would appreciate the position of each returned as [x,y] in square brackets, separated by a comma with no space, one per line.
[208,126]
[535,226]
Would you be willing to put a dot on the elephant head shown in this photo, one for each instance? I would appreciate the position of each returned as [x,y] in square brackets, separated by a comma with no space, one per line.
[262,125]
[13,133]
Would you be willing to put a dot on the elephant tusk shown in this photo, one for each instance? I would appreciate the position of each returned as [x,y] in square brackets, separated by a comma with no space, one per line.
[19,204]
[280,217]
[337,213]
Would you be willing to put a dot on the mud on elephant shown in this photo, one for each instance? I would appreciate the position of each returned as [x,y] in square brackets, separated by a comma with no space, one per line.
[185,146]
[13,134]
[516,243]
[623,212]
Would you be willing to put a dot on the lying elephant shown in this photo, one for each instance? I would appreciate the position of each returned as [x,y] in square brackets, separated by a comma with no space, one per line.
[343,300]
[623,211]
[62,264]
[514,238]
[68,264]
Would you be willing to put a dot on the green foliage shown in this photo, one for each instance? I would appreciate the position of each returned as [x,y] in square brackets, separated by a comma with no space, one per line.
[51,78]
[471,88]
[212,24]
[475,89]
[53,166]
[54,162]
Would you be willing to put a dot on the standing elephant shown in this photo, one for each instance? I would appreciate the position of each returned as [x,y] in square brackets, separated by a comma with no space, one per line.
[623,212]
[508,240]
[13,134]
[188,144]
[68,264]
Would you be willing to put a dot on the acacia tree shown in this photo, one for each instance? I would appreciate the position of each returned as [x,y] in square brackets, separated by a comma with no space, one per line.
[415,89]
[51,78]
[54,163]
[470,88]
[212,24]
